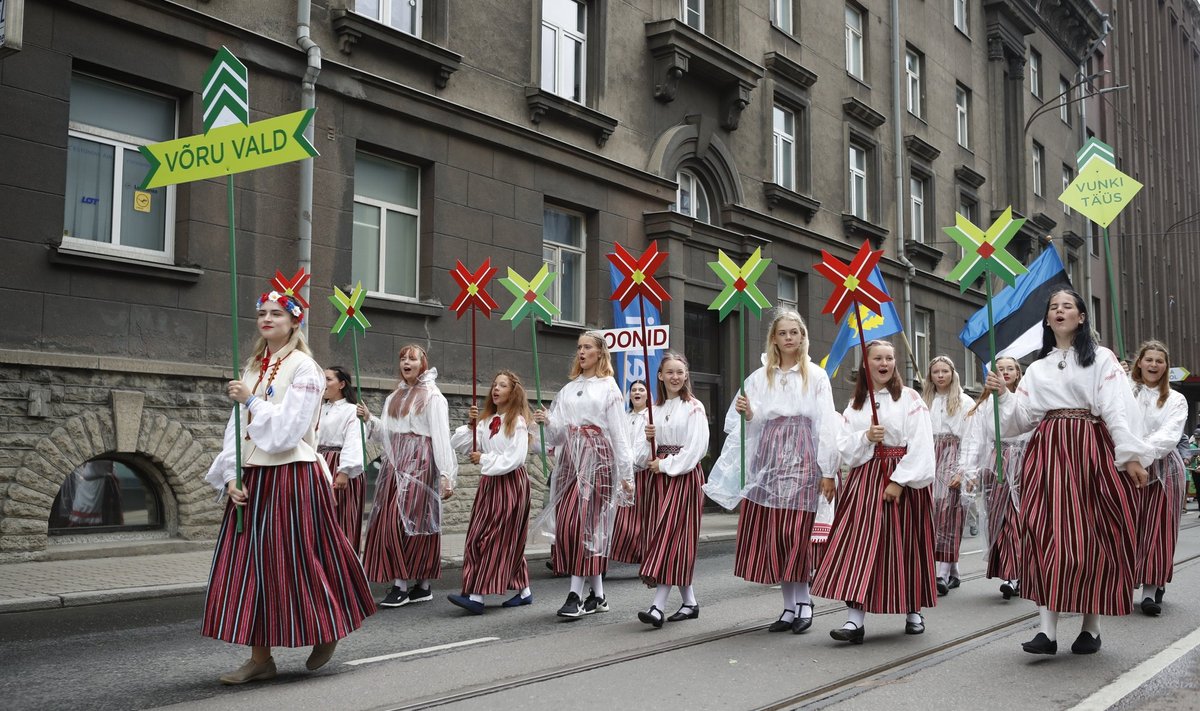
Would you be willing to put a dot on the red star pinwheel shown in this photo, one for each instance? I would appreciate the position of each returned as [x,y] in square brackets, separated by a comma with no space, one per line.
[292,286]
[740,284]
[350,312]
[850,282]
[531,296]
[473,292]
[639,276]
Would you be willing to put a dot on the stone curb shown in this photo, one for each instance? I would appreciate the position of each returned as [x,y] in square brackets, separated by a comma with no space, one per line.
[149,592]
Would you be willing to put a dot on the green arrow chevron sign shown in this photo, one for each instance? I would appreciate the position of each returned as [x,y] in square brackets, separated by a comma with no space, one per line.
[1095,149]
[226,93]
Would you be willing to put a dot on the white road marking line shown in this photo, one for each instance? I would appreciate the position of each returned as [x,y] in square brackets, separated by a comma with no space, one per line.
[1128,682]
[414,652]
[971,552]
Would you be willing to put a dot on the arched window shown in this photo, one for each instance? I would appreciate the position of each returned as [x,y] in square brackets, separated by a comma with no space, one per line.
[692,197]
[105,494]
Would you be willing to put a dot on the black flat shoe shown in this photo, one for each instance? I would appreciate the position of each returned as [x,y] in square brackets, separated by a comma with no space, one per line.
[649,617]
[1150,608]
[1085,644]
[801,624]
[854,636]
[915,627]
[693,613]
[942,588]
[779,625]
[1040,644]
[1007,590]
[954,582]
[1158,596]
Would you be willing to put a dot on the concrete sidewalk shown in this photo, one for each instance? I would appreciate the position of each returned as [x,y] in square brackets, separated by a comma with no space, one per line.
[68,583]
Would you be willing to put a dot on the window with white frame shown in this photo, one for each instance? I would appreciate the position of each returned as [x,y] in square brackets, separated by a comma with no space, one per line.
[857,195]
[962,109]
[922,337]
[1035,73]
[968,208]
[692,13]
[691,198]
[404,15]
[912,73]
[1073,271]
[1064,109]
[105,211]
[1068,175]
[564,48]
[917,187]
[960,15]
[564,249]
[785,146]
[972,372]
[1039,170]
[789,291]
[781,15]
[854,41]
[385,246]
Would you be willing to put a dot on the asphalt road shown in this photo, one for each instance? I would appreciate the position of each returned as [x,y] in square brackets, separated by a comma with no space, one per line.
[149,654]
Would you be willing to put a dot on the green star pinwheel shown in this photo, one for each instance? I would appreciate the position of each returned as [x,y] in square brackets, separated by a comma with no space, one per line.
[740,287]
[530,296]
[985,251]
[349,310]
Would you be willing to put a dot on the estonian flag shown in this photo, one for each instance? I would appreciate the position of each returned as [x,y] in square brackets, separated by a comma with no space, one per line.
[1018,311]
[876,327]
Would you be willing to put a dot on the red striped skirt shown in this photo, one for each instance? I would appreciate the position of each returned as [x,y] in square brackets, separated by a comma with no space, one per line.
[1159,509]
[629,526]
[392,553]
[348,502]
[1004,533]
[879,555]
[1077,519]
[494,552]
[290,579]
[948,509]
[575,520]
[673,533]
[773,545]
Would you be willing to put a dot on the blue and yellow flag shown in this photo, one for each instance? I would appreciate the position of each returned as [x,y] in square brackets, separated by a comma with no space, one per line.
[876,327]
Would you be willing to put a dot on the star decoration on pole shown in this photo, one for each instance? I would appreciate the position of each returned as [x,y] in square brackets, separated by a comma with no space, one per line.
[349,310]
[473,288]
[638,276]
[740,284]
[292,286]
[530,296]
[985,251]
[851,281]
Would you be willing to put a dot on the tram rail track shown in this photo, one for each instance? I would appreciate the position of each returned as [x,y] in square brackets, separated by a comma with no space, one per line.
[801,699]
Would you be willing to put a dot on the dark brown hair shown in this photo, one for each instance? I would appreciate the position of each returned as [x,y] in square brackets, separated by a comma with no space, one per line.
[895,386]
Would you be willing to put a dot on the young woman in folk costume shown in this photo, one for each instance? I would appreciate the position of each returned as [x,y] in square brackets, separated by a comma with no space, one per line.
[880,552]
[1163,415]
[266,588]
[673,494]
[339,440]
[1002,494]
[404,539]
[587,426]
[791,459]
[494,553]
[629,527]
[948,408]
[1078,509]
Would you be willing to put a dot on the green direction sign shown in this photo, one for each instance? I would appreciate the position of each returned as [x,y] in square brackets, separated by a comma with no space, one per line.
[226,93]
[1095,149]
[1177,375]
[1101,192]
[230,149]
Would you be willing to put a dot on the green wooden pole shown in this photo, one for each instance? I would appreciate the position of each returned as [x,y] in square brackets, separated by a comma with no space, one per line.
[537,382]
[987,278]
[237,374]
[362,429]
[742,375]
[1118,334]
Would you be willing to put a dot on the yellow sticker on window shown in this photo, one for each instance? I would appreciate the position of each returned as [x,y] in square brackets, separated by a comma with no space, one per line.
[141,201]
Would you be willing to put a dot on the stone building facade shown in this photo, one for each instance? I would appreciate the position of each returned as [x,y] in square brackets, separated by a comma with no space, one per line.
[523,131]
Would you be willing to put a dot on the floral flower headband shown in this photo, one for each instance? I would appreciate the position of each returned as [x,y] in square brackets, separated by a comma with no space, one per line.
[286,293]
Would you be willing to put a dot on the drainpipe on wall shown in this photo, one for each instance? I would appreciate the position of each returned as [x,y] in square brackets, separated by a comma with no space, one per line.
[308,100]
[898,151]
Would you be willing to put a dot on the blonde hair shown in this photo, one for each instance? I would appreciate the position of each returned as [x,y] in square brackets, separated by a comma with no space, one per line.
[953,392]
[1164,386]
[604,368]
[1012,387]
[295,341]
[517,405]
[774,357]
